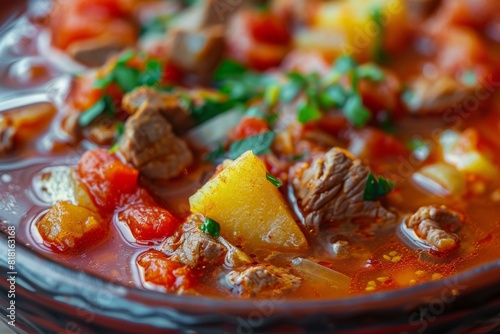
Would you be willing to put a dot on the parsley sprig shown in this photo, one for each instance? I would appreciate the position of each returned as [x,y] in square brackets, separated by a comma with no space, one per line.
[126,78]
[374,189]
[317,94]
[211,227]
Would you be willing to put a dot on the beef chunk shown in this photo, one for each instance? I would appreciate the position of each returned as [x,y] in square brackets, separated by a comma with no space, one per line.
[168,105]
[422,8]
[196,51]
[191,246]
[151,146]
[436,95]
[435,226]
[261,281]
[195,41]
[331,188]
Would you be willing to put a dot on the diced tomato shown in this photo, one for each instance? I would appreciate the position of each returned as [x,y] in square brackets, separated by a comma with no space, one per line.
[374,145]
[264,56]
[106,8]
[249,126]
[268,28]
[333,123]
[84,95]
[171,74]
[383,95]
[258,39]
[80,20]
[107,178]
[148,222]
[161,271]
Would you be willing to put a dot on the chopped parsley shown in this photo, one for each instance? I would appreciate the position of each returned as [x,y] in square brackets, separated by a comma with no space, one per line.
[308,112]
[374,189]
[211,227]
[127,79]
[370,71]
[274,180]
[259,144]
[379,55]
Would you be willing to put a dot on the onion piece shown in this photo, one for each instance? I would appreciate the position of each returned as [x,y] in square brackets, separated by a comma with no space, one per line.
[440,179]
[216,129]
[322,278]
[56,57]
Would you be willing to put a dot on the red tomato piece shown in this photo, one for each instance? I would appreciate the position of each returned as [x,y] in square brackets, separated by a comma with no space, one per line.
[171,74]
[248,127]
[267,28]
[107,178]
[161,271]
[374,145]
[149,222]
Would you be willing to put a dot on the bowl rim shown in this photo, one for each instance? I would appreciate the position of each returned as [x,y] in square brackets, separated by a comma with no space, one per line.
[390,297]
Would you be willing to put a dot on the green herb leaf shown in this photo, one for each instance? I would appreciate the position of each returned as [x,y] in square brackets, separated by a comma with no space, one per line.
[370,71]
[126,78]
[299,157]
[375,189]
[378,52]
[307,112]
[344,64]
[216,154]
[103,82]
[289,91]
[152,73]
[355,112]
[292,88]
[90,114]
[333,96]
[211,227]
[255,111]
[228,69]
[211,108]
[125,57]
[274,180]
[259,144]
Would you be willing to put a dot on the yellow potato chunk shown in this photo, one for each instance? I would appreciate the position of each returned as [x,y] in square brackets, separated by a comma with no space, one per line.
[249,208]
[67,227]
[348,27]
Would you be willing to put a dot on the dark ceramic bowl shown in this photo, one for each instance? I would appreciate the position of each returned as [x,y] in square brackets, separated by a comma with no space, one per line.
[52,298]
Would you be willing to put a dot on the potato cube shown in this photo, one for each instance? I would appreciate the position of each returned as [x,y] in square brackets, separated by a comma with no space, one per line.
[67,227]
[250,209]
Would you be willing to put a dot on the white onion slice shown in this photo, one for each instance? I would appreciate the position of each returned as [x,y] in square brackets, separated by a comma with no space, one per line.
[215,130]
[320,276]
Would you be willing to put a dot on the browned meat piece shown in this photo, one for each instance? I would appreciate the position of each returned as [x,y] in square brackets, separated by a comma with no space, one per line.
[95,52]
[195,41]
[427,96]
[435,226]
[151,146]
[261,281]
[167,104]
[422,8]
[196,51]
[331,188]
[191,246]
[301,11]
